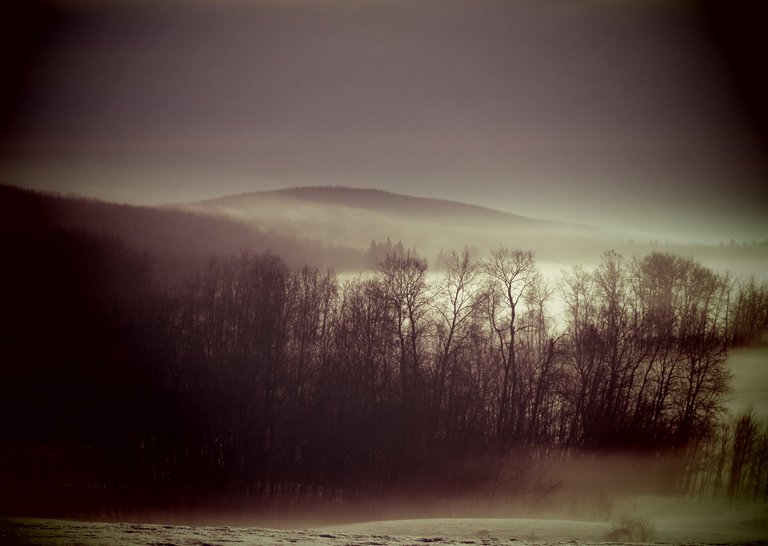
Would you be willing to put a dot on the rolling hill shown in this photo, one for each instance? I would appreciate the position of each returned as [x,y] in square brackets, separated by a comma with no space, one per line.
[178,240]
[334,227]
[353,217]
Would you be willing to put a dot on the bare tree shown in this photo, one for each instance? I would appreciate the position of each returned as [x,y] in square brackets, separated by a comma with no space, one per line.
[511,275]
[453,303]
[745,437]
[403,276]
[577,290]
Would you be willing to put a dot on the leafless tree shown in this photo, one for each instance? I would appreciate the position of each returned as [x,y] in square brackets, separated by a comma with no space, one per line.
[454,304]
[511,275]
[404,285]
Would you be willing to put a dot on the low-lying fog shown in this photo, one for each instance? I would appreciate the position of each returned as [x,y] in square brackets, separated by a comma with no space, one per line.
[749,367]
[621,491]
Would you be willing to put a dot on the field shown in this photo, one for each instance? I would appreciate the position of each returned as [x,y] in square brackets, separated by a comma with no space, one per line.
[729,525]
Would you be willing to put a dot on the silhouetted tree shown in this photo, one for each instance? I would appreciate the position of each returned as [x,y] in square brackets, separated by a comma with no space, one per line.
[511,274]
[256,381]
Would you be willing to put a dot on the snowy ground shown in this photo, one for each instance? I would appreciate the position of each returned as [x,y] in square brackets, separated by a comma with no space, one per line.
[487,532]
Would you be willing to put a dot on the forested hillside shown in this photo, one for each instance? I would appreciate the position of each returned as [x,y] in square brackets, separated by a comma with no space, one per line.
[179,241]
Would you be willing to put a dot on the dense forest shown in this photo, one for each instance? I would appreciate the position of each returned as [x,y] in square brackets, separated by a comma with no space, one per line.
[257,382]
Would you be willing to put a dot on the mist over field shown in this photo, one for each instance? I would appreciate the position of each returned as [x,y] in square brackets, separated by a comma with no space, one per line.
[195,375]
[387,272]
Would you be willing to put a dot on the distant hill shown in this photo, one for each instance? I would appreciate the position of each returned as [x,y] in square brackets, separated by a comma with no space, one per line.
[353,217]
[385,202]
[177,239]
[334,227]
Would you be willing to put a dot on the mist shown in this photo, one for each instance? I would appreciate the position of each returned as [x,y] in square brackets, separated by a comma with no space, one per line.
[483,389]
[383,272]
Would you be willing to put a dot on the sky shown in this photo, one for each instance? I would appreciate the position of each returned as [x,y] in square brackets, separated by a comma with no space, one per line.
[642,116]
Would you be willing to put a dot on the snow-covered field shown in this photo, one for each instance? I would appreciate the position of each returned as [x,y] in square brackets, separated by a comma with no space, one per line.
[491,532]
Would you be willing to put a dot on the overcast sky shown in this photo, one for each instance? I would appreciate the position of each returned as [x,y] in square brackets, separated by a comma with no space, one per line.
[645,116]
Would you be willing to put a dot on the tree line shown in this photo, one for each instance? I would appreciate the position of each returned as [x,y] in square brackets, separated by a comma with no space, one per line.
[255,380]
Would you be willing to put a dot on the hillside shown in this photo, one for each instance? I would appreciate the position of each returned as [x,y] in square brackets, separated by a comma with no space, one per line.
[354,217]
[384,202]
[178,240]
[334,226]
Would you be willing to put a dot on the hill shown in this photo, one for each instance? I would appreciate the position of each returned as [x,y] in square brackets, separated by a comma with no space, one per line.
[354,217]
[384,202]
[334,227]
[178,240]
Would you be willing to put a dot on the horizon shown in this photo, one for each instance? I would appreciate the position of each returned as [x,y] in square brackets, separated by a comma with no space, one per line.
[615,233]
[649,117]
